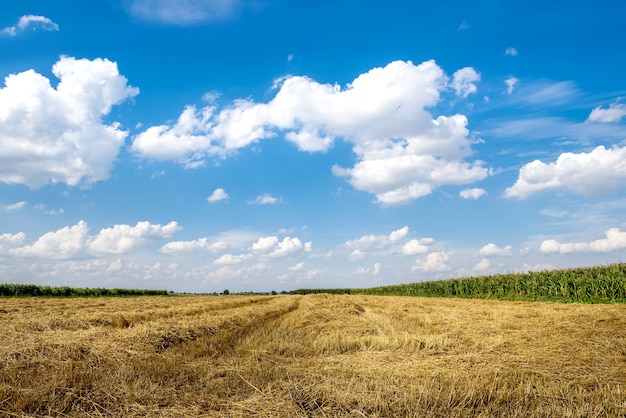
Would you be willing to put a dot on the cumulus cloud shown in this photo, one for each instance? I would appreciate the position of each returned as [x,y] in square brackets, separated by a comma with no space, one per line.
[122,238]
[403,153]
[474,193]
[482,265]
[217,195]
[463,81]
[265,244]
[230,260]
[615,240]
[598,172]
[614,113]
[74,241]
[30,22]
[417,246]
[183,12]
[14,207]
[56,135]
[372,242]
[273,247]
[436,261]
[492,250]
[9,241]
[180,247]
[61,244]
[265,199]
[398,234]
[510,51]
[510,84]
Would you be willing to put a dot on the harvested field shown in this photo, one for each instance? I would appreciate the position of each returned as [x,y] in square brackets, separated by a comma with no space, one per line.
[310,356]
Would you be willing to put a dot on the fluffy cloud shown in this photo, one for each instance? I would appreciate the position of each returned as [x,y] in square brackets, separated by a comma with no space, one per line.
[72,241]
[179,247]
[474,193]
[434,262]
[32,22]
[482,265]
[9,241]
[56,134]
[463,81]
[492,250]
[217,195]
[398,234]
[273,247]
[122,238]
[510,84]
[594,173]
[415,246]
[230,260]
[63,243]
[614,113]
[183,12]
[511,52]
[265,199]
[374,242]
[615,240]
[403,152]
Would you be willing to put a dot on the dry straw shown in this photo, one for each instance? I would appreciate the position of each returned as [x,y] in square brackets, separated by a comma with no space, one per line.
[315,356]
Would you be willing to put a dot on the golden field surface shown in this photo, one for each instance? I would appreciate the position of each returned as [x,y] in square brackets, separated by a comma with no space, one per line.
[310,356]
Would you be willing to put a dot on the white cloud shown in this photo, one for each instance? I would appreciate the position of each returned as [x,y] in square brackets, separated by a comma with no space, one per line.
[614,113]
[30,21]
[183,12]
[230,260]
[474,193]
[435,261]
[615,240]
[594,173]
[510,51]
[14,207]
[265,199]
[510,84]
[179,247]
[415,246]
[463,81]
[376,242]
[9,241]
[403,152]
[56,134]
[273,247]
[265,244]
[297,267]
[492,250]
[286,247]
[122,238]
[61,244]
[42,207]
[398,234]
[217,195]
[482,265]
[376,269]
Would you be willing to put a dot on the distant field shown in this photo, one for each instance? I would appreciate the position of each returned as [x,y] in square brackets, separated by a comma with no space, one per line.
[600,284]
[310,356]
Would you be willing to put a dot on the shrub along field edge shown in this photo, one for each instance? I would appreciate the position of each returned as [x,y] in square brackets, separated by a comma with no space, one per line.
[600,284]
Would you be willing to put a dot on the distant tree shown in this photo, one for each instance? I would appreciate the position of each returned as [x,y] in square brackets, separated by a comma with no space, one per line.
[226,292]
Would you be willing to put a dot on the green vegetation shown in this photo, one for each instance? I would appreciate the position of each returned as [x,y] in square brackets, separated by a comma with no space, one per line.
[26,290]
[602,284]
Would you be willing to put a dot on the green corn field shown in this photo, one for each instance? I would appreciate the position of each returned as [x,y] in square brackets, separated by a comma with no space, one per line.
[600,284]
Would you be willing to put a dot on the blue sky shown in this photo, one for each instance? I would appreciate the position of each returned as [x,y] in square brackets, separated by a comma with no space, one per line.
[203,145]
